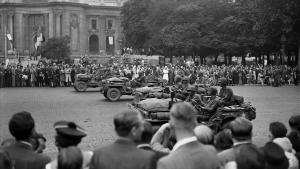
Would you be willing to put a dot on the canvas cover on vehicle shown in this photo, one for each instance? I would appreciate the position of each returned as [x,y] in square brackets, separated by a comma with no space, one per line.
[155,105]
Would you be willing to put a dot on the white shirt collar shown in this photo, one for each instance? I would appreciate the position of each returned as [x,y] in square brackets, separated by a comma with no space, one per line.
[183,142]
[241,142]
[26,143]
[143,145]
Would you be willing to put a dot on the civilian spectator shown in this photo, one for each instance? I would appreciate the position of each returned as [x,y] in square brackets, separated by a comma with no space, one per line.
[241,130]
[187,152]
[21,126]
[123,153]
[144,143]
[277,130]
[164,139]
[5,161]
[289,152]
[223,140]
[69,158]
[69,134]
[275,157]
[294,135]
[249,157]
[204,134]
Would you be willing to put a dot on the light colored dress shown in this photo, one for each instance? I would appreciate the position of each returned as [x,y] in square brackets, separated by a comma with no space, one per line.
[166,74]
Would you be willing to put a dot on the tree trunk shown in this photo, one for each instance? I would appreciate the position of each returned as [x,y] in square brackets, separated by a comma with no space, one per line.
[229,59]
[226,59]
[276,59]
[259,59]
[216,59]
[268,59]
[255,59]
[243,60]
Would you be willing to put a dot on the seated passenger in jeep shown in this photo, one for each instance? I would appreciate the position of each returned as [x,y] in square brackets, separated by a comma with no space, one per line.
[209,108]
[226,94]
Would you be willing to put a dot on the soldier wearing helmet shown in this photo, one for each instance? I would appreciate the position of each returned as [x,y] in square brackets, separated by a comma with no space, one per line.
[226,94]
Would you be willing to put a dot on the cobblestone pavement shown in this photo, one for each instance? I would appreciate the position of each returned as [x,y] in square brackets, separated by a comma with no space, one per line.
[95,114]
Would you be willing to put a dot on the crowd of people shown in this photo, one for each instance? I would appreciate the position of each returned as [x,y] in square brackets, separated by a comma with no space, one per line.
[182,143]
[60,75]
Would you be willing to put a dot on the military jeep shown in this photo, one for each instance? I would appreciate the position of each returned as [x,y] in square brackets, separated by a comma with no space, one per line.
[115,87]
[85,81]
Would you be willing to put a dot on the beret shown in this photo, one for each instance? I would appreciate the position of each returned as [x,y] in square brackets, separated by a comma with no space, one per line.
[69,129]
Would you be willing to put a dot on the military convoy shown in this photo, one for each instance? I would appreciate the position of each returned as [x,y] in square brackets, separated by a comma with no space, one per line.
[113,88]
[156,111]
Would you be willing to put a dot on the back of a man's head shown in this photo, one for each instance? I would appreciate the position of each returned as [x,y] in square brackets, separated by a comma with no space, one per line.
[147,133]
[277,129]
[125,121]
[294,122]
[184,115]
[249,157]
[21,125]
[204,134]
[241,129]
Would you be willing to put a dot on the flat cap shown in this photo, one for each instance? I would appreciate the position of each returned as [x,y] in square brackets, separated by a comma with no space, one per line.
[69,129]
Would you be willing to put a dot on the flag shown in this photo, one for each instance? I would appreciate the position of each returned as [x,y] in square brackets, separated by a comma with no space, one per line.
[9,37]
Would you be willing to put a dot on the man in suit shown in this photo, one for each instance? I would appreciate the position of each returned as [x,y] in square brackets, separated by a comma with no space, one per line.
[21,126]
[241,130]
[123,153]
[144,143]
[187,153]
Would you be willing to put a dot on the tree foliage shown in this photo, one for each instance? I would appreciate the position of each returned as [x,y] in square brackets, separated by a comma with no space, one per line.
[57,49]
[197,27]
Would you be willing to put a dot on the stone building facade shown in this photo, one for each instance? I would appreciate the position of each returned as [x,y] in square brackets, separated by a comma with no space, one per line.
[94,26]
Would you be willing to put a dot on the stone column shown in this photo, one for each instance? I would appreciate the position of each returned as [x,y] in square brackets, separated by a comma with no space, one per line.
[57,25]
[19,32]
[46,26]
[83,39]
[66,24]
[10,25]
[102,29]
[27,33]
[1,34]
[51,24]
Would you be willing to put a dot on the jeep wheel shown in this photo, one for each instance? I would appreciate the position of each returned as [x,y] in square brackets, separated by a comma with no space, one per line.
[113,94]
[81,86]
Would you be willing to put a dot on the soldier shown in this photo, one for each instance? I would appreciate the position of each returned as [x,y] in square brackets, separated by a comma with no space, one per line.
[226,94]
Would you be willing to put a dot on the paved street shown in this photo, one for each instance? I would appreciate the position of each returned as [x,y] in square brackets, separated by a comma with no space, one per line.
[95,114]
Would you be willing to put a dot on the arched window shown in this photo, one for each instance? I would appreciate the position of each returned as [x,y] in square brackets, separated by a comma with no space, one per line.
[94,44]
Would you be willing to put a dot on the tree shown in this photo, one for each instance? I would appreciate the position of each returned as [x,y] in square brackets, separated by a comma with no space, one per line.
[133,14]
[57,49]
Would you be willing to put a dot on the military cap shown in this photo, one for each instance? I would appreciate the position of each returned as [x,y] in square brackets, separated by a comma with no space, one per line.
[69,129]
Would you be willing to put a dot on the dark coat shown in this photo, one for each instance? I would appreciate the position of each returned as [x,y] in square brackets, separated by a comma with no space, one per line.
[123,154]
[295,140]
[158,154]
[24,157]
